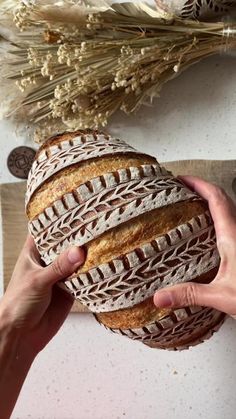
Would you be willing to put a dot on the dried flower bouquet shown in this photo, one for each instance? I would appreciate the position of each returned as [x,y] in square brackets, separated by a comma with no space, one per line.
[75,63]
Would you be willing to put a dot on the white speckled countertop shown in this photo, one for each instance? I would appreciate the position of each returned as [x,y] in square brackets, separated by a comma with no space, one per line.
[88,373]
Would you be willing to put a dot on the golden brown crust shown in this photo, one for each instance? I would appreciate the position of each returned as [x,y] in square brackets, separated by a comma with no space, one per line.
[64,136]
[136,316]
[75,175]
[138,231]
[144,313]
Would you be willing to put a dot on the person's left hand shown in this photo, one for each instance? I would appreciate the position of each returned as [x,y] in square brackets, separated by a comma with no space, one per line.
[33,305]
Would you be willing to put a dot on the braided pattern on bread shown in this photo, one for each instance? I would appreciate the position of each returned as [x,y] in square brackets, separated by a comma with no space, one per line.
[83,193]
[132,278]
[43,168]
[106,210]
[180,324]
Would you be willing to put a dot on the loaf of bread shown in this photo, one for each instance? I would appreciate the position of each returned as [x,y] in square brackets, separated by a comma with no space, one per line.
[142,229]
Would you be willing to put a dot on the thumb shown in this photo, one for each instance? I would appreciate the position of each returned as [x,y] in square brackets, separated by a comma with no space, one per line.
[215,295]
[63,266]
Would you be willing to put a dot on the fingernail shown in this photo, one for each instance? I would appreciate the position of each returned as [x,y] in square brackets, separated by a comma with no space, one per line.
[75,255]
[163,299]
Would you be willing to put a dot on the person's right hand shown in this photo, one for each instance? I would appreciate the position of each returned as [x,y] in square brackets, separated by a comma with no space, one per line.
[34,307]
[221,292]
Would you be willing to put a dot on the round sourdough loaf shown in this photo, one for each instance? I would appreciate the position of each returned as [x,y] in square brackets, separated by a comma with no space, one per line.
[142,228]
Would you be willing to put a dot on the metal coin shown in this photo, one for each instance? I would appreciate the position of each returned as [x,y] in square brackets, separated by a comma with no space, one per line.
[20,160]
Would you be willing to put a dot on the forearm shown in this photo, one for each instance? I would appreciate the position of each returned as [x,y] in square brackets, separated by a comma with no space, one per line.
[15,363]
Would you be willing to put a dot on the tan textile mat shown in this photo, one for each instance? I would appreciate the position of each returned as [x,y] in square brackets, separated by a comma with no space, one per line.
[223,173]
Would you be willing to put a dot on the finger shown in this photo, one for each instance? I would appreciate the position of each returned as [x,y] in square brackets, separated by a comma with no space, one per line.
[63,266]
[215,295]
[221,206]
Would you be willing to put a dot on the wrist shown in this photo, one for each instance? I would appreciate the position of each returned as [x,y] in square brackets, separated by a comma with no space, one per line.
[15,362]
[11,338]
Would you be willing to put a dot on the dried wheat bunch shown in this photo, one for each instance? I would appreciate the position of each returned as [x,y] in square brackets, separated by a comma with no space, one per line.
[76,63]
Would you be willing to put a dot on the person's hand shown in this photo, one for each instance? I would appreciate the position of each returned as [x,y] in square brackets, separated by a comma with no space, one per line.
[31,312]
[221,292]
[33,305]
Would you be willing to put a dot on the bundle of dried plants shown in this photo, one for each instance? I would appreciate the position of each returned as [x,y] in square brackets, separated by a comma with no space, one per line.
[74,64]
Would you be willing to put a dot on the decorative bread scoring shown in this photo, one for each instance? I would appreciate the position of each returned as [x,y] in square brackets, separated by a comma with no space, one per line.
[142,228]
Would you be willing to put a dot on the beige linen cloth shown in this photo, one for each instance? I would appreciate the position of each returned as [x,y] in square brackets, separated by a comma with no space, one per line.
[14,220]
